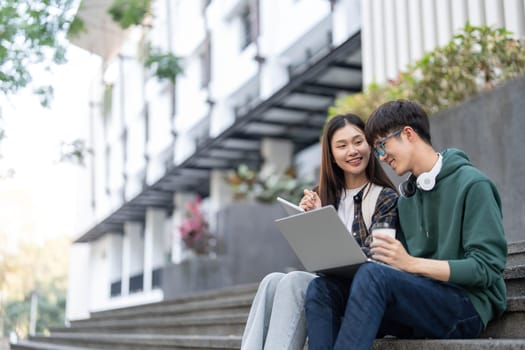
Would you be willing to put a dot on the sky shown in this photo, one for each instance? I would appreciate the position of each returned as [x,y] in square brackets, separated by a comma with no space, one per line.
[39,201]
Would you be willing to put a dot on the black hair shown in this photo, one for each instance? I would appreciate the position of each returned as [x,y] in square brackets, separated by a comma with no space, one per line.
[332,178]
[393,115]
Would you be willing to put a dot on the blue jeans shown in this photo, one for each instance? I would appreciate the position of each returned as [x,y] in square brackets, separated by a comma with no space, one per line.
[343,314]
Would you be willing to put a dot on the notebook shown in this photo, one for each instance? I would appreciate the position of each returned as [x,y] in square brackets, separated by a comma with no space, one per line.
[322,242]
[289,207]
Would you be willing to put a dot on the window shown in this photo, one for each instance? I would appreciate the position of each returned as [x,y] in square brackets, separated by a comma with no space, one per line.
[136,283]
[116,289]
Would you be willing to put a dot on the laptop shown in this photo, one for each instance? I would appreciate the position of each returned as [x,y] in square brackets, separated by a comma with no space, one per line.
[322,242]
[289,207]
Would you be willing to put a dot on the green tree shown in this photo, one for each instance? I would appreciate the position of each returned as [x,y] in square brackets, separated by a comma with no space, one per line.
[34,267]
[32,33]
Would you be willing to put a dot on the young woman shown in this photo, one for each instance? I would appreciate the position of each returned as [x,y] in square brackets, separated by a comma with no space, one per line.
[351,180]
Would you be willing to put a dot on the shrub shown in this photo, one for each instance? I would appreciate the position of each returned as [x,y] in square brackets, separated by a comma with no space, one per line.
[476,59]
[247,183]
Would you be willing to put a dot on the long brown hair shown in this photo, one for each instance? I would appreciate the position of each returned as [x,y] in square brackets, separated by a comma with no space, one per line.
[332,177]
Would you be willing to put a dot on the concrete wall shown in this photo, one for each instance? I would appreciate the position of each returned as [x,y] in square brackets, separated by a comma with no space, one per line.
[251,247]
[490,129]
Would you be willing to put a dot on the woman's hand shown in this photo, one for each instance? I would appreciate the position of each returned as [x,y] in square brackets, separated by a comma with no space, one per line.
[310,200]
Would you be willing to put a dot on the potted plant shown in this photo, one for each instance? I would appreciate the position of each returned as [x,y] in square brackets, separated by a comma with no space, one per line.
[129,12]
[247,183]
[194,230]
[164,65]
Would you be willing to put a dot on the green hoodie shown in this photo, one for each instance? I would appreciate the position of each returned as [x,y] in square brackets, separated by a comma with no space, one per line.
[460,220]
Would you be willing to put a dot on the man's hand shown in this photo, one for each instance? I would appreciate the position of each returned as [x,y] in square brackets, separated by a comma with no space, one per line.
[390,251]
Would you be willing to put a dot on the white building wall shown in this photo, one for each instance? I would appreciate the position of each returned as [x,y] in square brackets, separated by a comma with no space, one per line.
[346,20]
[189,34]
[232,66]
[99,272]
[79,280]
[396,33]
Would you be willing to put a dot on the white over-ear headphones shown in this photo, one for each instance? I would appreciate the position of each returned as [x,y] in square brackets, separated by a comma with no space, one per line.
[426,181]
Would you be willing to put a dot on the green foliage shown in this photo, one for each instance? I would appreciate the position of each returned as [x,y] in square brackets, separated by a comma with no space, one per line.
[76,27]
[129,12]
[31,33]
[246,183]
[50,311]
[165,65]
[33,268]
[45,93]
[74,152]
[476,59]
[363,104]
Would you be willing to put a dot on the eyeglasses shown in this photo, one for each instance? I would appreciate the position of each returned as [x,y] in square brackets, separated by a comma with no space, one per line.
[379,146]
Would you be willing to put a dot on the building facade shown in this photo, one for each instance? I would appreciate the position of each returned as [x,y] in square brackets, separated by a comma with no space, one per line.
[258,77]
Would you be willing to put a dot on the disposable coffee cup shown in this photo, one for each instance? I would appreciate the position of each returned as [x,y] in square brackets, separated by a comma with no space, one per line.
[383,228]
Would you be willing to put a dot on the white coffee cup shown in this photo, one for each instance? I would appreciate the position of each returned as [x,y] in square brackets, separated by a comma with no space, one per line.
[383,228]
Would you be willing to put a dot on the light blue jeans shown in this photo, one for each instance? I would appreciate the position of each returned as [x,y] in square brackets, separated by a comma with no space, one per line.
[276,320]
[344,314]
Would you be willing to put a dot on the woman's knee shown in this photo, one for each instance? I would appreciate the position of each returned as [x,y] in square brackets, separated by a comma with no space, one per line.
[271,281]
[297,279]
[294,284]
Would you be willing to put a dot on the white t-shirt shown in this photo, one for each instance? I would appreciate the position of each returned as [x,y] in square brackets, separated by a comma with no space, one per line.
[346,206]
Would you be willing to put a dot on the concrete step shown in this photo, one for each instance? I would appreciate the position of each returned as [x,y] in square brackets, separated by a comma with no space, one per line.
[515,280]
[511,324]
[226,298]
[163,324]
[516,254]
[181,323]
[33,345]
[232,342]
[459,344]
[140,341]
[202,308]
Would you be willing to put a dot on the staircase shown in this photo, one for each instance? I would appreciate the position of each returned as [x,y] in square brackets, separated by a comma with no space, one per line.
[215,320]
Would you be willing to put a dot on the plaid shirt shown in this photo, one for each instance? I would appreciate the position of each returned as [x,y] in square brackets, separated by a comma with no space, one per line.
[385,211]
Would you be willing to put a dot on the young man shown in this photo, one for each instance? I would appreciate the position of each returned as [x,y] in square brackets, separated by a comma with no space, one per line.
[449,254]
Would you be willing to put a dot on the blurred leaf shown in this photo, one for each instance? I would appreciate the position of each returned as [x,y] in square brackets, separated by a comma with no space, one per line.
[30,34]
[74,152]
[165,65]
[129,12]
